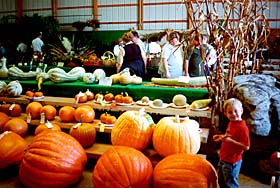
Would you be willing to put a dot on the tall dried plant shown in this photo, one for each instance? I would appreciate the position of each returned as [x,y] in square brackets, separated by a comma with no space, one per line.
[240,31]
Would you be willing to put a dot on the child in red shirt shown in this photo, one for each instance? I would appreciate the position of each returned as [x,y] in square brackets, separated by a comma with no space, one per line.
[235,141]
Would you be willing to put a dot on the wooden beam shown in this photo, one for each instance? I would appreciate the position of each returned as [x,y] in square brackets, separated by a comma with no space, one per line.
[140,15]
[19,7]
[95,9]
[54,8]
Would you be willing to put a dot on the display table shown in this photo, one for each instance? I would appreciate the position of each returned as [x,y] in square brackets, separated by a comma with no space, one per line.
[70,89]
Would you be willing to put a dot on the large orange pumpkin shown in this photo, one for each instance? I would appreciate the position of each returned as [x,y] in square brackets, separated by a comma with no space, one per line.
[16,125]
[184,171]
[12,149]
[121,167]
[85,133]
[47,126]
[53,159]
[176,135]
[134,129]
[34,109]
[85,114]
[66,113]
[50,112]
[4,118]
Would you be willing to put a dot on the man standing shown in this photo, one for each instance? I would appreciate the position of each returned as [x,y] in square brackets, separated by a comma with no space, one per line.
[37,45]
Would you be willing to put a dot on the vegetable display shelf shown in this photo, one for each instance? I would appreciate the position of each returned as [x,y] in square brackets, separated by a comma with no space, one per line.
[64,101]
[70,89]
[97,149]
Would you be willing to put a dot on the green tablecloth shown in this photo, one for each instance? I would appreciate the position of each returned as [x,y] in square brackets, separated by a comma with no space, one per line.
[70,89]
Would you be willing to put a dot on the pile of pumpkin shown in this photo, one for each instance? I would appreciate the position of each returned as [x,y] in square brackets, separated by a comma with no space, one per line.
[57,159]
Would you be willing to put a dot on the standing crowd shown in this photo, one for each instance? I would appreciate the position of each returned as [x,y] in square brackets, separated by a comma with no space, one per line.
[177,58]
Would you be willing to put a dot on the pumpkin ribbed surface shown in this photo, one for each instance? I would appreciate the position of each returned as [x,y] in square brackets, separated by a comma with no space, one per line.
[172,137]
[4,118]
[53,159]
[184,171]
[132,129]
[122,167]
[85,134]
[12,149]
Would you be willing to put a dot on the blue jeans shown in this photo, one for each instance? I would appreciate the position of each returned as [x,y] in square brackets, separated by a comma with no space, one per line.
[228,174]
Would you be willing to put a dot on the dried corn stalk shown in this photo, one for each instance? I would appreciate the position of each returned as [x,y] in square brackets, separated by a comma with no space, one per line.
[239,32]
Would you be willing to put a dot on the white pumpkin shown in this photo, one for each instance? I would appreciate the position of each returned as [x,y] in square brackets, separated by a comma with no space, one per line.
[3,87]
[89,78]
[99,74]
[14,88]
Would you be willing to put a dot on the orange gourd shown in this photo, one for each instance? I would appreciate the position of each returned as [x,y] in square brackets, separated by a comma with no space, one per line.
[176,135]
[85,133]
[34,109]
[16,125]
[46,126]
[53,159]
[134,129]
[121,167]
[12,149]
[184,171]
[50,112]
[85,114]
[66,113]
[4,118]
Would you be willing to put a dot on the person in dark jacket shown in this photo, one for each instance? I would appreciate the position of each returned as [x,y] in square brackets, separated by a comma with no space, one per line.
[130,56]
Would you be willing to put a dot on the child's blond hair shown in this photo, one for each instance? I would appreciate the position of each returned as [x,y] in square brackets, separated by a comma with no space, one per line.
[232,102]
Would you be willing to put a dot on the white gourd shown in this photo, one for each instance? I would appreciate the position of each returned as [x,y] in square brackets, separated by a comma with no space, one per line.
[3,70]
[89,78]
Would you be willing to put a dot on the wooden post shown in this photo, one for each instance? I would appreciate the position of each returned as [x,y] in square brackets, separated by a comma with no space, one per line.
[140,15]
[19,7]
[54,8]
[95,9]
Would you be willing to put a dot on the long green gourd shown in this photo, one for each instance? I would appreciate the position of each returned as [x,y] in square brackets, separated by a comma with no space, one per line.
[193,81]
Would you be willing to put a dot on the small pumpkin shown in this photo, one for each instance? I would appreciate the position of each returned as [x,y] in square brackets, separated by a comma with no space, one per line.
[34,109]
[4,118]
[85,133]
[85,114]
[81,97]
[12,149]
[183,133]
[15,110]
[66,113]
[53,159]
[14,88]
[134,129]
[16,125]
[49,111]
[122,166]
[184,171]
[90,95]
[46,126]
